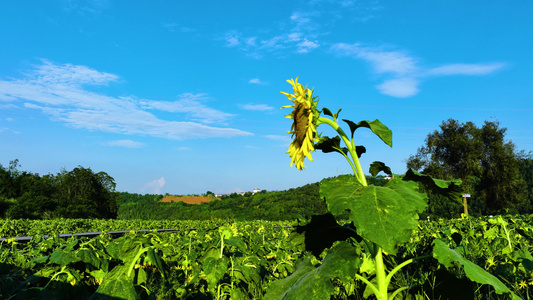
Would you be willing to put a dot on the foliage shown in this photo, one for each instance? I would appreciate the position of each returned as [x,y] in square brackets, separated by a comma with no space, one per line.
[79,193]
[256,260]
[301,202]
[481,158]
[383,217]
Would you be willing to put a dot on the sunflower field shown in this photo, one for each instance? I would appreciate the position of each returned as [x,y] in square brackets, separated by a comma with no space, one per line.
[253,260]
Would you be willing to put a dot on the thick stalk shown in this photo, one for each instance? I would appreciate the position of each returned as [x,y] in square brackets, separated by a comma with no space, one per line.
[380,276]
[358,170]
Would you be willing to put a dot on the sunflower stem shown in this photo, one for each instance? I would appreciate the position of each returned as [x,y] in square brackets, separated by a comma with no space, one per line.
[356,166]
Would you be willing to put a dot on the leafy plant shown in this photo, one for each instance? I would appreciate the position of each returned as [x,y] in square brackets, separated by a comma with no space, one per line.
[384,216]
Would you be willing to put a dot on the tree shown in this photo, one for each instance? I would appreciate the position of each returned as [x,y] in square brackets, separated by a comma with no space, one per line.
[487,164]
[81,193]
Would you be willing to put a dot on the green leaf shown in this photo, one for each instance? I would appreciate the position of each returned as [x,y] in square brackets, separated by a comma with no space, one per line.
[377,167]
[309,283]
[384,215]
[328,112]
[236,242]
[130,249]
[448,188]
[327,144]
[98,274]
[88,256]
[322,231]
[214,269]
[141,276]
[448,257]
[117,285]
[359,150]
[41,260]
[225,232]
[382,131]
[63,258]
[153,258]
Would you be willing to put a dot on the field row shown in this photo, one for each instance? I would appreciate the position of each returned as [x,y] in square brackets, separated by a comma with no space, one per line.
[241,260]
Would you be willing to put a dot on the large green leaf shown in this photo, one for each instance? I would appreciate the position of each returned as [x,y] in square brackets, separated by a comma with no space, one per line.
[382,131]
[116,285]
[448,257]
[63,258]
[384,215]
[88,256]
[448,188]
[214,269]
[323,231]
[309,283]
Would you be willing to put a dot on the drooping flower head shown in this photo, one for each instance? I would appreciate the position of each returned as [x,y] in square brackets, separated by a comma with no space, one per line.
[303,130]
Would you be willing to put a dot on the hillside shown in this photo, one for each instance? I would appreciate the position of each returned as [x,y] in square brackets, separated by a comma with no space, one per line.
[188,199]
[301,202]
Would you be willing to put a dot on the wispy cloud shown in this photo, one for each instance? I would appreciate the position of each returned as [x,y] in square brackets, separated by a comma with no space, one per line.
[190,104]
[256,81]
[402,87]
[301,38]
[285,139]
[125,144]
[89,7]
[173,27]
[257,107]
[61,91]
[306,45]
[403,70]
[466,69]
[382,61]
[154,187]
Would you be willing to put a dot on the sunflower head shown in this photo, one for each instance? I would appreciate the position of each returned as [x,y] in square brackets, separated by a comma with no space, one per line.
[303,130]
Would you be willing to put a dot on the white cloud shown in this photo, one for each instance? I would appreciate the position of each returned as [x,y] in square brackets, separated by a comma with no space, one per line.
[396,62]
[232,38]
[404,70]
[90,7]
[294,37]
[403,87]
[258,107]
[190,104]
[173,27]
[466,69]
[301,38]
[257,81]
[59,91]
[282,138]
[125,144]
[305,46]
[155,186]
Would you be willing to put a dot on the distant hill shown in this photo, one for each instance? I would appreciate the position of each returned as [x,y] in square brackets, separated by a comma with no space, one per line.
[301,202]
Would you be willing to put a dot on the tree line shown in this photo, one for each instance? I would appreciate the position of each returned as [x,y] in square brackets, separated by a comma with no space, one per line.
[498,178]
[301,202]
[79,193]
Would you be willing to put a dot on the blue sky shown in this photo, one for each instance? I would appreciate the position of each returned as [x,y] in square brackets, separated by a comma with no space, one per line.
[182,97]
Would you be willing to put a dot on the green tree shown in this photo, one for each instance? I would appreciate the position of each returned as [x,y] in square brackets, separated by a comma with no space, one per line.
[487,164]
[8,176]
[81,193]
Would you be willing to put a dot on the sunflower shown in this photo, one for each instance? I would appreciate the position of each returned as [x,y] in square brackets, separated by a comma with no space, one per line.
[303,129]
